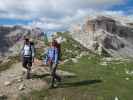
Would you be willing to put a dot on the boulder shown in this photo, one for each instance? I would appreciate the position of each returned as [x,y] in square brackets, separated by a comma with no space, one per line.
[7,83]
[104,63]
[74,60]
[116,98]
[21,87]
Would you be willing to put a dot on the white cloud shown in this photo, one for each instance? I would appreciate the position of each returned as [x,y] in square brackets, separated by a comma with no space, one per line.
[50,8]
[53,14]
[50,24]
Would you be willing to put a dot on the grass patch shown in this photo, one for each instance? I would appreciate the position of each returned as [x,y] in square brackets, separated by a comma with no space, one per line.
[40,53]
[70,48]
[93,82]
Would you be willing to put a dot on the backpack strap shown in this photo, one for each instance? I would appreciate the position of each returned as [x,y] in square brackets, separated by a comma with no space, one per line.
[31,49]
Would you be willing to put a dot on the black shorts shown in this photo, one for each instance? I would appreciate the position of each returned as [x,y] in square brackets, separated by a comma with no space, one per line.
[27,62]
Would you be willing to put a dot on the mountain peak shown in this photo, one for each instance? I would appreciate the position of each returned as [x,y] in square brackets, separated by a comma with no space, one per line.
[106,33]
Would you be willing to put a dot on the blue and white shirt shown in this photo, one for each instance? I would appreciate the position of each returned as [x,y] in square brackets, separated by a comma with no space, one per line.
[52,54]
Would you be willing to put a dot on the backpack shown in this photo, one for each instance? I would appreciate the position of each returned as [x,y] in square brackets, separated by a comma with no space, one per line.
[58,46]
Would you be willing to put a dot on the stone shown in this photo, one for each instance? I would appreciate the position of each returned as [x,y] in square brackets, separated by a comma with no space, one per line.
[74,60]
[108,59]
[60,39]
[66,60]
[128,72]
[104,63]
[127,78]
[7,83]
[21,87]
[19,80]
[116,98]
[65,73]
[78,57]
[83,54]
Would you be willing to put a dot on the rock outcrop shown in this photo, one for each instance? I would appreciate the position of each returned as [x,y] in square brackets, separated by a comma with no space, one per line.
[105,34]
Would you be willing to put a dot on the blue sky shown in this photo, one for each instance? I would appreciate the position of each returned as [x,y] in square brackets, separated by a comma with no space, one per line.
[56,15]
[127,7]
[14,21]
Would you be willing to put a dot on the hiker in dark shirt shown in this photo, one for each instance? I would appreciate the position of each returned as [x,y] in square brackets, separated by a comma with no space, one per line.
[27,54]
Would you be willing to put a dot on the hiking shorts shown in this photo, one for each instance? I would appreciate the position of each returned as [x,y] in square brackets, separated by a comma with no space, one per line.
[27,62]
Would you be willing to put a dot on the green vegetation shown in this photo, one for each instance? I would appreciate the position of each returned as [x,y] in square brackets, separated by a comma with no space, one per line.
[7,65]
[92,82]
[45,39]
[70,48]
[39,53]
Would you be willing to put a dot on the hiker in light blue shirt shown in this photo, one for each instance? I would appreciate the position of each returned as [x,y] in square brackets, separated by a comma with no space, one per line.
[52,61]
[52,55]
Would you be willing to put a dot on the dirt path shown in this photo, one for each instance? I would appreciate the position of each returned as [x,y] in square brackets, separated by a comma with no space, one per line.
[13,82]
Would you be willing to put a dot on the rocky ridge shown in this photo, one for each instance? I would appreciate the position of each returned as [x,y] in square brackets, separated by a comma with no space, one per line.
[11,38]
[106,34]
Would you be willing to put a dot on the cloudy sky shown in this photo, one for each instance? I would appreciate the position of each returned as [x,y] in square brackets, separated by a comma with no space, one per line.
[58,15]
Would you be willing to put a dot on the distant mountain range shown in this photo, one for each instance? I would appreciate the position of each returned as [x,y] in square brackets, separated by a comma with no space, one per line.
[11,38]
[108,35]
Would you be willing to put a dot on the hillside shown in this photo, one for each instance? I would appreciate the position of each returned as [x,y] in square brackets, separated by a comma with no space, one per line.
[86,71]
[83,74]
[95,77]
[106,34]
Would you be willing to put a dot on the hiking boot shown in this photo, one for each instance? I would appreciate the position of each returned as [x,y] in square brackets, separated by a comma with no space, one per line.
[28,76]
[58,78]
[51,86]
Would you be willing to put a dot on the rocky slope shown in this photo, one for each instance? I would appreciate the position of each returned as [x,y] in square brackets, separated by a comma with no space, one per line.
[106,34]
[13,82]
[11,38]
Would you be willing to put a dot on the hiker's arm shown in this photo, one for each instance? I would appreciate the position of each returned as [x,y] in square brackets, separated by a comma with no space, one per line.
[56,57]
[46,58]
[33,51]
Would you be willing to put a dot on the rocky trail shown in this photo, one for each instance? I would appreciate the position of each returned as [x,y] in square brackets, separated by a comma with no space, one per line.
[13,82]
